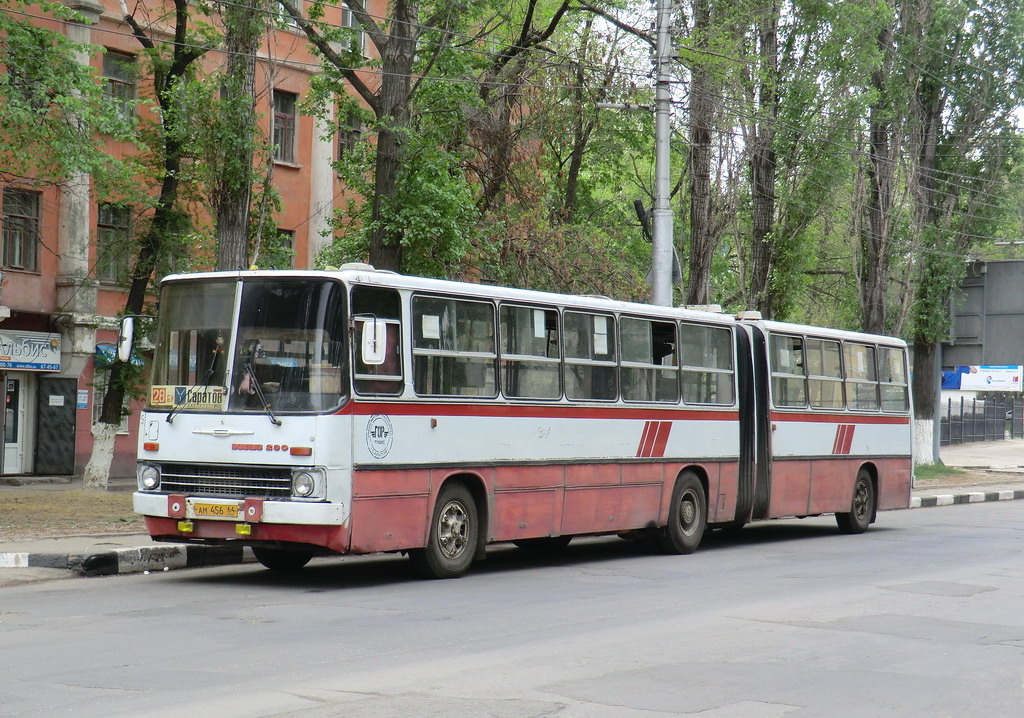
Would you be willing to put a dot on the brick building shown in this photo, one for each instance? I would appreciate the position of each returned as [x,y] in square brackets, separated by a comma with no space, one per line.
[61,290]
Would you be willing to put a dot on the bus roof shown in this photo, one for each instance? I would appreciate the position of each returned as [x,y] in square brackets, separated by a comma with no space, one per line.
[825,332]
[361,274]
[369,276]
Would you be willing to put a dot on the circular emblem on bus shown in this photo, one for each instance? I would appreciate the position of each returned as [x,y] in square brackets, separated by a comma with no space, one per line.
[379,435]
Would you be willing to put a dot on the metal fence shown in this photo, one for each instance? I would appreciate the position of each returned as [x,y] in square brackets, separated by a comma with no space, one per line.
[990,418]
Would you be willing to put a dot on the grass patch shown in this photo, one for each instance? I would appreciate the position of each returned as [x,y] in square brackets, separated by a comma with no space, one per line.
[32,513]
[937,471]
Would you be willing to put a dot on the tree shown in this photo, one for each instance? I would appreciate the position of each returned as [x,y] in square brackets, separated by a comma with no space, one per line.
[53,113]
[396,40]
[233,175]
[170,74]
[963,134]
[705,104]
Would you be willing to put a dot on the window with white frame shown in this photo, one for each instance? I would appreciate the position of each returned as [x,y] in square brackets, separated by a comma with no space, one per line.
[351,23]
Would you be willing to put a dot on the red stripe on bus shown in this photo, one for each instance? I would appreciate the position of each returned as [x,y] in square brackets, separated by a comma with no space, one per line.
[643,447]
[661,438]
[844,439]
[848,438]
[652,437]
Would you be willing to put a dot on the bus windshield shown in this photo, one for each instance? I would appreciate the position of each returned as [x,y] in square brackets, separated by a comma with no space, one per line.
[285,353]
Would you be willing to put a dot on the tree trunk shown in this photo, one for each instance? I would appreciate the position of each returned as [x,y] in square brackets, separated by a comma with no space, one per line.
[876,242]
[702,115]
[395,95]
[97,471]
[763,168]
[151,244]
[243,23]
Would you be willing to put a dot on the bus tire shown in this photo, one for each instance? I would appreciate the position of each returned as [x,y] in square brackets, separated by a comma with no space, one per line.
[282,559]
[687,516]
[454,531]
[862,507]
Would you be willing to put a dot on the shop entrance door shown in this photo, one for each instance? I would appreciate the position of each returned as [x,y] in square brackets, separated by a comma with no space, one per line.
[15,423]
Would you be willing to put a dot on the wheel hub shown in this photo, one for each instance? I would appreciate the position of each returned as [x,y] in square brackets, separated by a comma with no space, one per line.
[452,530]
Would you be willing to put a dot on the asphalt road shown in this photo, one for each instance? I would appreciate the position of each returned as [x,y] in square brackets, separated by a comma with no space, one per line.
[920,616]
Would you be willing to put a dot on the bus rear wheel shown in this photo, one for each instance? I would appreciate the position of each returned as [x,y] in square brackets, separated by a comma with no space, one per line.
[862,507]
[454,530]
[282,559]
[687,516]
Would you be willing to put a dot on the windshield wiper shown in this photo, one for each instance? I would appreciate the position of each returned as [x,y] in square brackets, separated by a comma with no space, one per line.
[254,382]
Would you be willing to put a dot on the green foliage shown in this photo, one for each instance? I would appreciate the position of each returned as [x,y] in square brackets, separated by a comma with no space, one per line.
[53,112]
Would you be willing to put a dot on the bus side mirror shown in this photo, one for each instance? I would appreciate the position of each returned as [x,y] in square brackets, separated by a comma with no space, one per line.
[125,337]
[375,342]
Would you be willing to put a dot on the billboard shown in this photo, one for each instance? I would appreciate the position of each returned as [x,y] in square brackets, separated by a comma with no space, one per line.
[983,378]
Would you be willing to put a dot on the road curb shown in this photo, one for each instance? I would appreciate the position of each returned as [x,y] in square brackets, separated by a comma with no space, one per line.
[132,560]
[970,497]
[170,557]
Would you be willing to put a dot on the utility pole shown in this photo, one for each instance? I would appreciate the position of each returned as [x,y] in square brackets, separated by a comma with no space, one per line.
[661,267]
[663,255]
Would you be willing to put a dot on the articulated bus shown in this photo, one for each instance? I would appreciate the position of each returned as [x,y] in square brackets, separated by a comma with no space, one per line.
[356,411]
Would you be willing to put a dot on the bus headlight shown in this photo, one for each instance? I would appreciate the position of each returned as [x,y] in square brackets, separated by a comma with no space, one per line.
[307,482]
[149,477]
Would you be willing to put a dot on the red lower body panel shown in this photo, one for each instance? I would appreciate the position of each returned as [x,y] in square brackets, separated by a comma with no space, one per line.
[333,538]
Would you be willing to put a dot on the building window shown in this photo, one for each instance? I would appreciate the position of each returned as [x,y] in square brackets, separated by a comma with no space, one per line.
[112,243]
[284,126]
[350,131]
[99,390]
[21,230]
[349,22]
[279,252]
[120,80]
[283,17]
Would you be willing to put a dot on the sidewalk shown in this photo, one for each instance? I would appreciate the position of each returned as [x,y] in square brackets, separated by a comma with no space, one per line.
[997,475]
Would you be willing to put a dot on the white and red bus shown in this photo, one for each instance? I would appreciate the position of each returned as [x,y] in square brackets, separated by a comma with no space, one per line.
[360,411]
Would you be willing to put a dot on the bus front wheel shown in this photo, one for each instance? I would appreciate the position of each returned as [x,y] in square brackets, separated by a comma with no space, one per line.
[687,516]
[862,507]
[454,529]
[280,559]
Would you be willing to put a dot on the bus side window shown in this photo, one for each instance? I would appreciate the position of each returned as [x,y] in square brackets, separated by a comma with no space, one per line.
[861,377]
[382,305]
[649,371]
[706,357]
[530,363]
[591,371]
[453,351]
[825,374]
[789,378]
[893,367]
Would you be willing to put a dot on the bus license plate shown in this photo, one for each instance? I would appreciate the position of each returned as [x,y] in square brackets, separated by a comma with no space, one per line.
[215,511]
